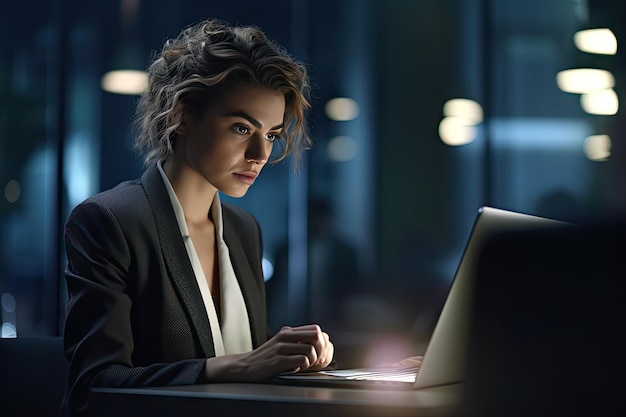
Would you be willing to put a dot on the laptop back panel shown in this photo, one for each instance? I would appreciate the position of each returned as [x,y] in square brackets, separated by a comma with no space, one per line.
[445,358]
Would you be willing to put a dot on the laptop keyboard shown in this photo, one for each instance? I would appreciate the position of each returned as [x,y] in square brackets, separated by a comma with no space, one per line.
[376,374]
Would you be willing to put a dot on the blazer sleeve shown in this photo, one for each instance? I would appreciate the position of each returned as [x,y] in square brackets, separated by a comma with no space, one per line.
[98,330]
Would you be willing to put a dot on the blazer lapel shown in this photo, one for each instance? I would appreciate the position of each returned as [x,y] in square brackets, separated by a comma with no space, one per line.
[176,257]
[253,295]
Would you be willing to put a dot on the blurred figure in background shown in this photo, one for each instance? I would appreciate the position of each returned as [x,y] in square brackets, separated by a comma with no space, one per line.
[333,273]
[333,266]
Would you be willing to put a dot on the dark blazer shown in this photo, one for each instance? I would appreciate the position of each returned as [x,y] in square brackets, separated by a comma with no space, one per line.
[135,316]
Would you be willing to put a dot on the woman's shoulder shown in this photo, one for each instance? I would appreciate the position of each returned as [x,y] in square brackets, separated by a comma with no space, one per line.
[127,200]
[122,195]
[127,194]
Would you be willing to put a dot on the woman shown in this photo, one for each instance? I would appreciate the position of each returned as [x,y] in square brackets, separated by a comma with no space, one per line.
[165,282]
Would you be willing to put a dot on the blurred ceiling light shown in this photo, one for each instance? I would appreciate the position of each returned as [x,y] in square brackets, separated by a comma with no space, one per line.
[596,41]
[127,75]
[601,102]
[456,131]
[125,81]
[464,108]
[342,148]
[597,147]
[584,80]
[342,109]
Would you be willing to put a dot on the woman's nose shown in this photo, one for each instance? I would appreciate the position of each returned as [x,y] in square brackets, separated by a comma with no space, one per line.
[258,150]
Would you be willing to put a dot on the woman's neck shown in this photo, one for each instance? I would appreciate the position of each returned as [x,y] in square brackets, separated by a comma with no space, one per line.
[194,193]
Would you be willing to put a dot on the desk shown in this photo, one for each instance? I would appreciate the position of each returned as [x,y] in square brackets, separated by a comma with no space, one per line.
[251,399]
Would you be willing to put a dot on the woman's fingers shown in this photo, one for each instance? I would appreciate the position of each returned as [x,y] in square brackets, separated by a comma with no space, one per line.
[291,349]
[326,357]
[312,336]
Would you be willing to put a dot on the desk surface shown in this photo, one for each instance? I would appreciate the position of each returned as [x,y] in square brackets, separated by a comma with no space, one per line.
[275,400]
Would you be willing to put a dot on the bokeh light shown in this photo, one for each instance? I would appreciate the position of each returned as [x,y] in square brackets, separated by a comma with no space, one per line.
[596,41]
[342,109]
[12,191]
[597,147]
[342,148]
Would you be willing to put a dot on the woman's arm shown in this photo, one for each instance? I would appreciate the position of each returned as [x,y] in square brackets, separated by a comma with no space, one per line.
[98,330]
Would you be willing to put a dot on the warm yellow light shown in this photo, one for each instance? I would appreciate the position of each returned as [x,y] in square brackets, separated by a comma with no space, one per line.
[464,108]
[596,41]
[584,80]
[456,131]
[601,102]
[342,109]
[125,81]
[597,147]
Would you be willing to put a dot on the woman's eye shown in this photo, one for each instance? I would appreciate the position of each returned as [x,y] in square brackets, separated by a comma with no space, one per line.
[242,130]
[271,137]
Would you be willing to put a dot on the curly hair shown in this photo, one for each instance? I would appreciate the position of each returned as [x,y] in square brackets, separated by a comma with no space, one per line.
[205,62]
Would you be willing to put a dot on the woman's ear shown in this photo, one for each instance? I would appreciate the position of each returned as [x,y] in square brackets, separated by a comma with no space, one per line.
[183,126]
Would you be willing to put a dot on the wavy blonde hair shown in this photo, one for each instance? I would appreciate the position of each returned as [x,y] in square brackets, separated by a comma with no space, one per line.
[205,62]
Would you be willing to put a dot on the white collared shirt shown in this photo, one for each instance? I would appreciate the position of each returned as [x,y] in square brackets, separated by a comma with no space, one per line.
[233,335]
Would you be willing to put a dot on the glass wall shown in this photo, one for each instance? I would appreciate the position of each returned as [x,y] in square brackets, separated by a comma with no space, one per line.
[29,169]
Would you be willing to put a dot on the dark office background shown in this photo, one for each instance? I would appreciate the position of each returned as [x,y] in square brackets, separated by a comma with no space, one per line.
[398,201]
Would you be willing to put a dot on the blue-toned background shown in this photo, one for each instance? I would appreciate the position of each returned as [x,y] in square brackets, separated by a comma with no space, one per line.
[398,202]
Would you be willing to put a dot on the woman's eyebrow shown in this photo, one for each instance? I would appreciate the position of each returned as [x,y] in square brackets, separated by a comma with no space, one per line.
[252,120]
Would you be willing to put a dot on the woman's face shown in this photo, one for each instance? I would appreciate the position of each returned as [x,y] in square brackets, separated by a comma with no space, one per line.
[231,142]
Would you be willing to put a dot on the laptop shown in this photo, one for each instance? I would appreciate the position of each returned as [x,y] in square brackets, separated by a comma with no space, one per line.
[559,319]
[445,355]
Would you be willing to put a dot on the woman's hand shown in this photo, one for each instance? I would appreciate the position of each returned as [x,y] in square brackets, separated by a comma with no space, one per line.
[303,348]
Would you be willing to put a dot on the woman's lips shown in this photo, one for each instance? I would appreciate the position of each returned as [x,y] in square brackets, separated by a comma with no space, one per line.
[246,177]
